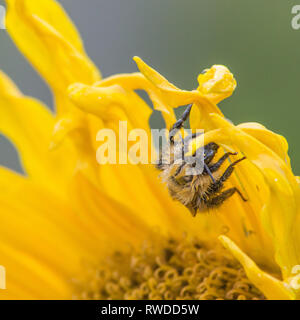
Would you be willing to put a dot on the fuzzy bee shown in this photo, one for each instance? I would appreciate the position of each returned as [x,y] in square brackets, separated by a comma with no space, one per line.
[200,191]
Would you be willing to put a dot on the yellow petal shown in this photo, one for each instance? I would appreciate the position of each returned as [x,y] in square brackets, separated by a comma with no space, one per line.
[281,209]
[272,288]
[29,124]
[175,96]
[217,83]
[47,37]
[28,278]
[41,243]
[137,81]
[204,101]
[275,142]
[113,225]
[111,103]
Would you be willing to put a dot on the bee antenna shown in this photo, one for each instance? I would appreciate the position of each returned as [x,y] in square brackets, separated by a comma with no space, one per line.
[209,172]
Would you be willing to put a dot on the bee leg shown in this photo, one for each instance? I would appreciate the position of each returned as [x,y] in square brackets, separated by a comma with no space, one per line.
[179,123]
[229,170]
[159,165]
[240,194]
[191,137]
[210,151]
[218,200]
[217,185]
[206,167]
[215,166]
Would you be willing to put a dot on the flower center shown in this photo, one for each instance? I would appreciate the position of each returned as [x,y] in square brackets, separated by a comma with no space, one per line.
[170,269]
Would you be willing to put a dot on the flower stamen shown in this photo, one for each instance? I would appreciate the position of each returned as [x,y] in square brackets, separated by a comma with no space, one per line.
[170,269]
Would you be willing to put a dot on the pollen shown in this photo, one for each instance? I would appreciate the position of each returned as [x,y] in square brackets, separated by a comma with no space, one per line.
[182,269]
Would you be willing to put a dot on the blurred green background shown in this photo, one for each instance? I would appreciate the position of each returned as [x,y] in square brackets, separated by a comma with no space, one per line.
[253,38]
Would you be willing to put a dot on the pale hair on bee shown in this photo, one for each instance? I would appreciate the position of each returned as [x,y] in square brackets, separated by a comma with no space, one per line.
[198,190]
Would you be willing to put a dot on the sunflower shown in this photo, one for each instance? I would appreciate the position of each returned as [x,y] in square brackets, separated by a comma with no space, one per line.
[71,228]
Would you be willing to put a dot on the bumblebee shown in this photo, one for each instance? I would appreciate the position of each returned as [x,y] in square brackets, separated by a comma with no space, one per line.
[198,192]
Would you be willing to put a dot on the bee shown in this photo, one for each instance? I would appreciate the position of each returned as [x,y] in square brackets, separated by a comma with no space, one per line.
[201,191]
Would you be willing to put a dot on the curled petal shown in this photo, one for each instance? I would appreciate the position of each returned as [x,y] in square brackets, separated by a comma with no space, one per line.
[111,103]
[204,101]
[217,83]
[174,95]
[274,141]
[272,288]
[281,210]
[137,81]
